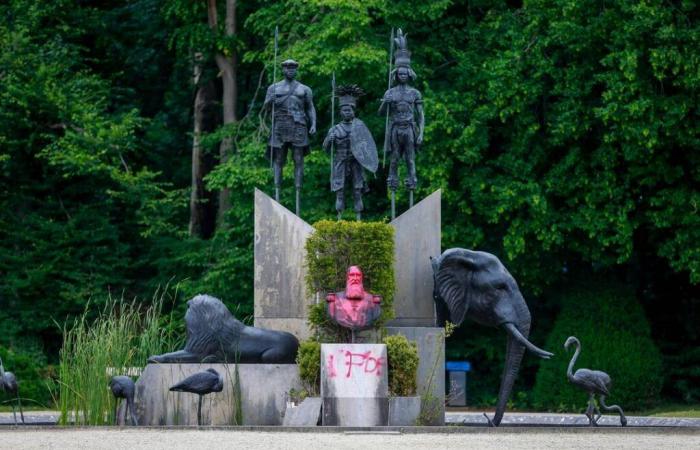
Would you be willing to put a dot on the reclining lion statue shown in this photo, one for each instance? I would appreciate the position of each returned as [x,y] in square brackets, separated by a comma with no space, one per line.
[215,336]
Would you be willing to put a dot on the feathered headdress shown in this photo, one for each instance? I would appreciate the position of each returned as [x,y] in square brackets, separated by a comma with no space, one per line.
[402,57]
[349,94]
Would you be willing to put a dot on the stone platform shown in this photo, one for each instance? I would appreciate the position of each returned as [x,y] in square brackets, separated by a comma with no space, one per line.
[262,394]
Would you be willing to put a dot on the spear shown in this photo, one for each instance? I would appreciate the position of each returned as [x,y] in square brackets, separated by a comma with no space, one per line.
[386,123]
[332,121]
[274,99]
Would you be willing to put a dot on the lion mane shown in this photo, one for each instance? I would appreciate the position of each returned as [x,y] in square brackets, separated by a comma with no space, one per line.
[215,335]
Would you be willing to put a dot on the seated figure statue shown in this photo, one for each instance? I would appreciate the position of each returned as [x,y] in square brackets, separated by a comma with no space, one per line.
[215,336]
[354,308]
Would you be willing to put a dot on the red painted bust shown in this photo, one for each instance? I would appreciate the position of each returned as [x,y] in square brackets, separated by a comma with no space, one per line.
[354,308]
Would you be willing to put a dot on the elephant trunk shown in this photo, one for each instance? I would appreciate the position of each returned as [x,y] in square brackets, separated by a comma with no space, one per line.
[514,355]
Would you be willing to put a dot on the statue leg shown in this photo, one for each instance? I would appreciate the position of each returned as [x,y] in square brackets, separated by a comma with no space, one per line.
[410,158]
[357,193]
[358,184]
[589,410]
[298,154]
[279,158]
[339,202]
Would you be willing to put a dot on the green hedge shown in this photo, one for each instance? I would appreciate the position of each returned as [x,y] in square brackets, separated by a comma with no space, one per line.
[403,365]
[615,338]
[336,245]
[33,377]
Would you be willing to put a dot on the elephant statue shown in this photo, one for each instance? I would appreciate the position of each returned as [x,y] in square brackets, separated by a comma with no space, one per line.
[476,285]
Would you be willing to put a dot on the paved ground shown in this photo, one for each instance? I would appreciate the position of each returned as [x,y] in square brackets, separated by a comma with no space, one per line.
[463,418]
[510,439]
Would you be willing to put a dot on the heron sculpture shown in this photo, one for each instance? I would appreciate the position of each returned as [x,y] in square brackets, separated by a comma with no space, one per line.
[595,383]
[8,383]
[201,383]
[124,387]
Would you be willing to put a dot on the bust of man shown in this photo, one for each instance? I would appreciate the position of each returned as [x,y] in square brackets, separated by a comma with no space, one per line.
[354,308]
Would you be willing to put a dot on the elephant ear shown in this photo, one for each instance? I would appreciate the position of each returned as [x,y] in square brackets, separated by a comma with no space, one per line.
[452,278]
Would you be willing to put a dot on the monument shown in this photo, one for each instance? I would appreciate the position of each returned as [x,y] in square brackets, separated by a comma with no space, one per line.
[354,308]
[353,150]
[293,120]
[403,106]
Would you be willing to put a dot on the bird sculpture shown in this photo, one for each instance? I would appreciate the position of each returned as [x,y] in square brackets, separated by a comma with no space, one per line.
[124,387]
[594,382]
[8,383]
[201,383]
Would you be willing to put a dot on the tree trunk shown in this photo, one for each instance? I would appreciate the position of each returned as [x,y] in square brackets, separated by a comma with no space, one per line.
[227,63]
[201,220]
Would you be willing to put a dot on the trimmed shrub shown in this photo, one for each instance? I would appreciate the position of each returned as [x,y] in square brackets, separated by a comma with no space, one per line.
[403,365]
[615,338]
[309,361]
[33,377]
[337,245]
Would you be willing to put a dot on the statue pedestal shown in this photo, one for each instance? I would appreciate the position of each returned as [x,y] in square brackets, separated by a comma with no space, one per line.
[263,393]
[431,369]
[354,385]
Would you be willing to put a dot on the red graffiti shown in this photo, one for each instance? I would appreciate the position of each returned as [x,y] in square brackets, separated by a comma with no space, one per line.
[366,361]
[331,367]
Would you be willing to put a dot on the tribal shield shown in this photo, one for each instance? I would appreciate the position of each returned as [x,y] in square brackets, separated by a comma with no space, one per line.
[363,147]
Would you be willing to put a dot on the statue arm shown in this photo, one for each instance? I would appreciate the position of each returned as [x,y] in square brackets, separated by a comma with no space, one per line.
[421,118]
[330,137]
[267,104]
[421,123]
[310,111]
[383,108]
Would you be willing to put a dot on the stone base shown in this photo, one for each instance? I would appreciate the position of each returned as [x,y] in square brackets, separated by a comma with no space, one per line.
[263,394]
[356,412]
[404,411]
[431,369]
[306,414]
[354,385]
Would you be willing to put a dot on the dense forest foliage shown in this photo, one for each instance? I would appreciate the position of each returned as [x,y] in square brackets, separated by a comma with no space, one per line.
[565,135]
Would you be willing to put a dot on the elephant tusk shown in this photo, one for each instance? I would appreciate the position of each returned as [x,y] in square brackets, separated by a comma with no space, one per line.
[513,330]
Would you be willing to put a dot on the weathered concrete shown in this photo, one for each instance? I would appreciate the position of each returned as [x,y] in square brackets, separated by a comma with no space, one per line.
[354,384]
[263,389]
[306,414]
[431,369]
[280,295]
[404,411]
[416,239]
[458,393]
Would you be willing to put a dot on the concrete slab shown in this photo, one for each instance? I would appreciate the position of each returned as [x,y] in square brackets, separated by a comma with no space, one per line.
[416,238]
[263,393]
[354,384]
[280,296]
[431,369]
[306,414]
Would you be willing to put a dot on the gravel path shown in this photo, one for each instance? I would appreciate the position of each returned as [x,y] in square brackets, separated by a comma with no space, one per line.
[152,439]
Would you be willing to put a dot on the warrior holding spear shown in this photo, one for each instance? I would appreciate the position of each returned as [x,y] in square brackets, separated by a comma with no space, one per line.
[355,151]
[404,105]
[293,120]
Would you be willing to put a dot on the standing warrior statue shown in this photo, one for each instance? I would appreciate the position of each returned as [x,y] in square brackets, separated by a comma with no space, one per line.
[293,120]
[355,150]
[404,106]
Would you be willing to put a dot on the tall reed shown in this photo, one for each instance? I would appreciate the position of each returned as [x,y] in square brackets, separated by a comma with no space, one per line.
[121,338]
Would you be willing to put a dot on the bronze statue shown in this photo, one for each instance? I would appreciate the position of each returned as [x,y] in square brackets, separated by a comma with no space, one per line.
[404,106]
[214,335]
[293,120]
[354,150]
[354,308]
[476,285]
[595,383]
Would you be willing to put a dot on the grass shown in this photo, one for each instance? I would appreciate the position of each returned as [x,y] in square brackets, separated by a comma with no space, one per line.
[123,335]
[673,410]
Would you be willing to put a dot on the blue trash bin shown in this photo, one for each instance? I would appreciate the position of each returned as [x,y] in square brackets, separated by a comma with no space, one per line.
[456,385]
